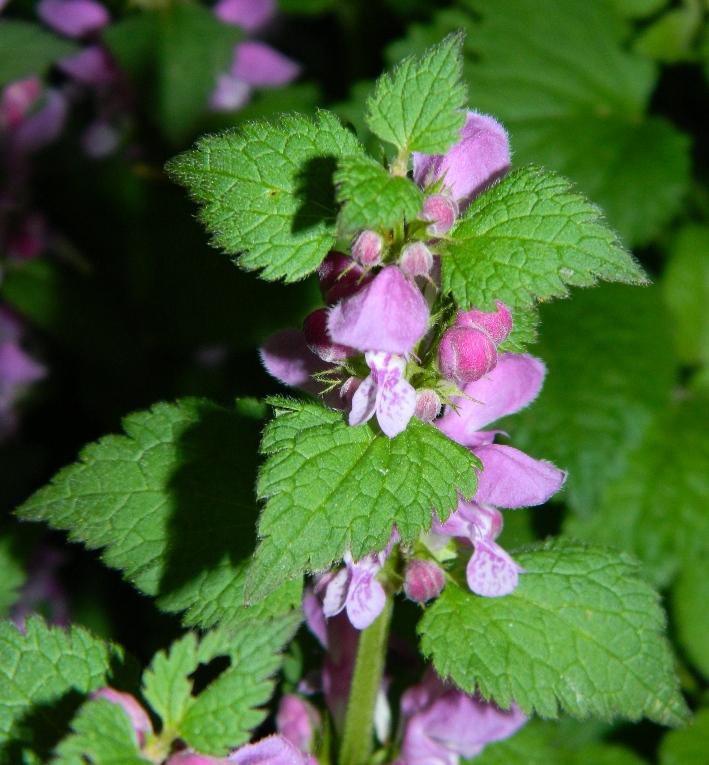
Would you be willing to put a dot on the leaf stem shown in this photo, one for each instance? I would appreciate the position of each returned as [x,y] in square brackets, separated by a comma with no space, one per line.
[357,743]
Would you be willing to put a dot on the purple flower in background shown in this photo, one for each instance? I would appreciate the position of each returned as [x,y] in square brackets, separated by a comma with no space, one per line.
[469,167]
[43,590]
[91,66]
[444,724]
[356,589]
[247,14]
[385,392]
[41,128]
[297,721]
[273,750]
[73,18]
[17,100]
[388,314]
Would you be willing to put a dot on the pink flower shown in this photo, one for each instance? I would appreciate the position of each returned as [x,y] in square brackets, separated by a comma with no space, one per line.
[318,339]
[441,212]
[481,157]
[340,277]
[138,716]
[17,99]
[388,314]
[367,248]
[41,128]
[247,14]
[356,589]
[262,66]
[444,724]
[273,750]
[73,18]
[385,392]
[423,580]
[91,66]
[297,720]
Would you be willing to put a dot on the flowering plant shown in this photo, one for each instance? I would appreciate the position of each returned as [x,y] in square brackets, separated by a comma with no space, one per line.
[380,492]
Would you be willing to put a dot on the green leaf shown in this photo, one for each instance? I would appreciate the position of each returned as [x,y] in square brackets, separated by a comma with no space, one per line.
[686,287]
[528,238]
[574,100]
[43,676]
[223,715]
[12,575]
[329,486]
[690,596]
[372,197]
[581,632]
[638,8]
[27,50]
[416,107]
[268,192]
[609,373]
[689,746]
[664,495]
[103,735]
[131,41]
[524,331]
[172,504]
[671,38]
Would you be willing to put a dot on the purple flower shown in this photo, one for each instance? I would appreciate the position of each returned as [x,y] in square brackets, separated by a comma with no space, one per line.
[41,128]
[423,580]
[262,66]
[388,314]
[297,720]
[91,66]
[247,14]
[444,724]
[17,99]
[340,277]
[385,392]
[356,589]
[428,405]
[367,248]
[481,157]
[273,750]
[465,354]
[441,212]
[73,18]
[318,339]
[230,95]
[138,716]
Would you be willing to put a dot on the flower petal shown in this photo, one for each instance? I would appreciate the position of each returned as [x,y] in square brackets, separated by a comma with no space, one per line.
[388,314]
[511,478]
[230,94]
[513,384]
[395,407]
[491,572]
[366,597]
[262,66]
[247,14]
[73,18]
[336,593]
[364,402]
[18,367]
[274,750]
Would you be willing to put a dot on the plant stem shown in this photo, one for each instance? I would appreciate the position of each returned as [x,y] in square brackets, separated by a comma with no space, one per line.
[357,739]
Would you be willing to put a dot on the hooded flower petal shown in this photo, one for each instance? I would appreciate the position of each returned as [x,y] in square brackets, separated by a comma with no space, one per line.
[286,356]
[262,66]
[513,384]
[73,18]
[510,478]
[387,314]
[247,14]
[481,157]
[491,572]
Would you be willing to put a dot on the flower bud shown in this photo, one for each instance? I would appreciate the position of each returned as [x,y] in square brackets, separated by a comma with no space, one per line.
[428,405]
[339,277]
[138,716]
[423,580]
[440,211]
[318,339]
[367,249]
[349,388]
[297,721]
[416,259]
[466,354]
[497,324]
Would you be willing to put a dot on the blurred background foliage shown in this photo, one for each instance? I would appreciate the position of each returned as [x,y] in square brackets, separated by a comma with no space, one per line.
[127,304]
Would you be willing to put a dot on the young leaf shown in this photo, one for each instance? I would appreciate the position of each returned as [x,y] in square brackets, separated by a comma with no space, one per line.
[28,50]
[664,494]
[172,504]
[329,486]
[609,373]
[529,237]
[581,632]
[690,746]
[559,77]
[268,192]
[373,198]
[103,735]
[43,675]
[416,107]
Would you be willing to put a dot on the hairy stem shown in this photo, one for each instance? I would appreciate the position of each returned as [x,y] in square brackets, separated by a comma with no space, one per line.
[357,739]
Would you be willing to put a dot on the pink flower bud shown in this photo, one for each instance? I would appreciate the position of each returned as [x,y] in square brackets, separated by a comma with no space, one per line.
[349,388]
[440,211]
[138,716]
[416,259]
[497,325]
[318,339]
[466,354]
[423,580]
[428,405]
[340,277]
[367,249]
[297,721]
